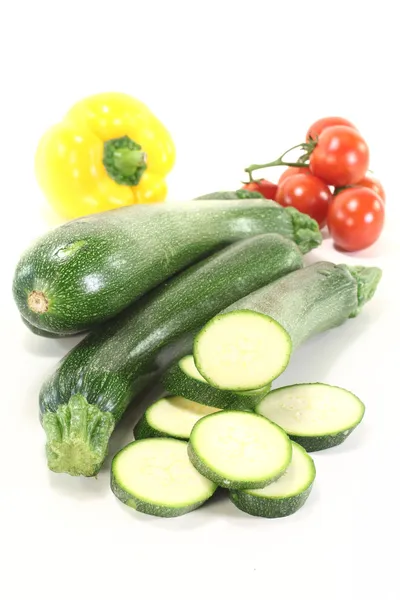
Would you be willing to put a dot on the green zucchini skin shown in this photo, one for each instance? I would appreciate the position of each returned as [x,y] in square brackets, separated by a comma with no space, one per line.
[322,442]
[317,298]
[271,508]
[148,508]
[143,430]
[236,195]
[44,333]
[177,382]
[90,269]
[278,506]
[111,366]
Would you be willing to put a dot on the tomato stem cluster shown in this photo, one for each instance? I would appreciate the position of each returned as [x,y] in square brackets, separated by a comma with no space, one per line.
[307,148]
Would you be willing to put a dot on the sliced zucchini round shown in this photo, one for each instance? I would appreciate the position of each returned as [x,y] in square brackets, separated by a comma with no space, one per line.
[239,450]
[184,379]
[315,415]
[171,417]
[242,350]
[283,497]
[156,477]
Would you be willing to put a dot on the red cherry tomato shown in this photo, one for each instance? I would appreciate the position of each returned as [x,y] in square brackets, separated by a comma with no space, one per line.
[341,156]
[266,188]
[290,171]
[374,185]
[308,194]
[319,126]
[355,218]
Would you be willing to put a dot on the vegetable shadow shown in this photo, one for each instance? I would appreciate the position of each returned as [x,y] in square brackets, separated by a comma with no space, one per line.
[80,488]
[48,347]
[312,362]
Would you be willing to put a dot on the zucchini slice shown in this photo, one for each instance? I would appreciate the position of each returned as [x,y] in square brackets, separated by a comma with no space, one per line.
[315,415]
[171,417]
[184,379]
[239,450]
[283,497]
[156,477]
[242,350]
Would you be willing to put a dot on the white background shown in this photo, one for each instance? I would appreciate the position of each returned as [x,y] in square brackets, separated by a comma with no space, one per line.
[235,82]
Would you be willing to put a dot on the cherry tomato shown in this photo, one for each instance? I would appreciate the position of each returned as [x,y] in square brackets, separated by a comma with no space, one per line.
[290,171]
[319,126]
[266,188]
[355,218]
[308,194]
[374,185]
[341,156]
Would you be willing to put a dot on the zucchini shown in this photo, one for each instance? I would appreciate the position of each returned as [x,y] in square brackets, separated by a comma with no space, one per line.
[42,332]
[236,195]
[239,450]
[250,342]
[285,496]
[184,379]
[156,477]
[90,269]
[315,415]
[171,417]
[94,384]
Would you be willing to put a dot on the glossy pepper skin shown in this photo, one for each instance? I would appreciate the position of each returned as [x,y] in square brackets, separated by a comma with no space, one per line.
[109,151]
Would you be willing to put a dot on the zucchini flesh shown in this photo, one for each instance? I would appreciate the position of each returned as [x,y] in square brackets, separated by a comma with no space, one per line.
[315,415]
[239,450]
[285,496]
[156,477]
[315,299]
[171,417]
[184,379]
[90,269]
[110,367]
[242,350]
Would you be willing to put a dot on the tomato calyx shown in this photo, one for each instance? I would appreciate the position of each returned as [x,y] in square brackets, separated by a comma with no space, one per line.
[302,161]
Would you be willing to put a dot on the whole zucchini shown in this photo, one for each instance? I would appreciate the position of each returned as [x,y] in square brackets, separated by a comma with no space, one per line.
[93,385]
[241,194]
[250,342]
[90,269]
[43,332]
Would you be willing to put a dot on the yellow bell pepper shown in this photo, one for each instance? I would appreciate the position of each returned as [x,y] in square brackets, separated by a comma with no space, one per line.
[109,151]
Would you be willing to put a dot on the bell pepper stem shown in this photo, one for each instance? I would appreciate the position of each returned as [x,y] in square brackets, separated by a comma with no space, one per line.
[124,160]
[127,161]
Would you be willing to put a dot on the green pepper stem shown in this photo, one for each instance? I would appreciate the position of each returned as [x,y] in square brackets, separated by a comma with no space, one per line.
[124,160]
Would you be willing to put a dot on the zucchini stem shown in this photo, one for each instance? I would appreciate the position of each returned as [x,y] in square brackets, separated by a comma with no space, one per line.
[77,437]
[306,231]
[367,279]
